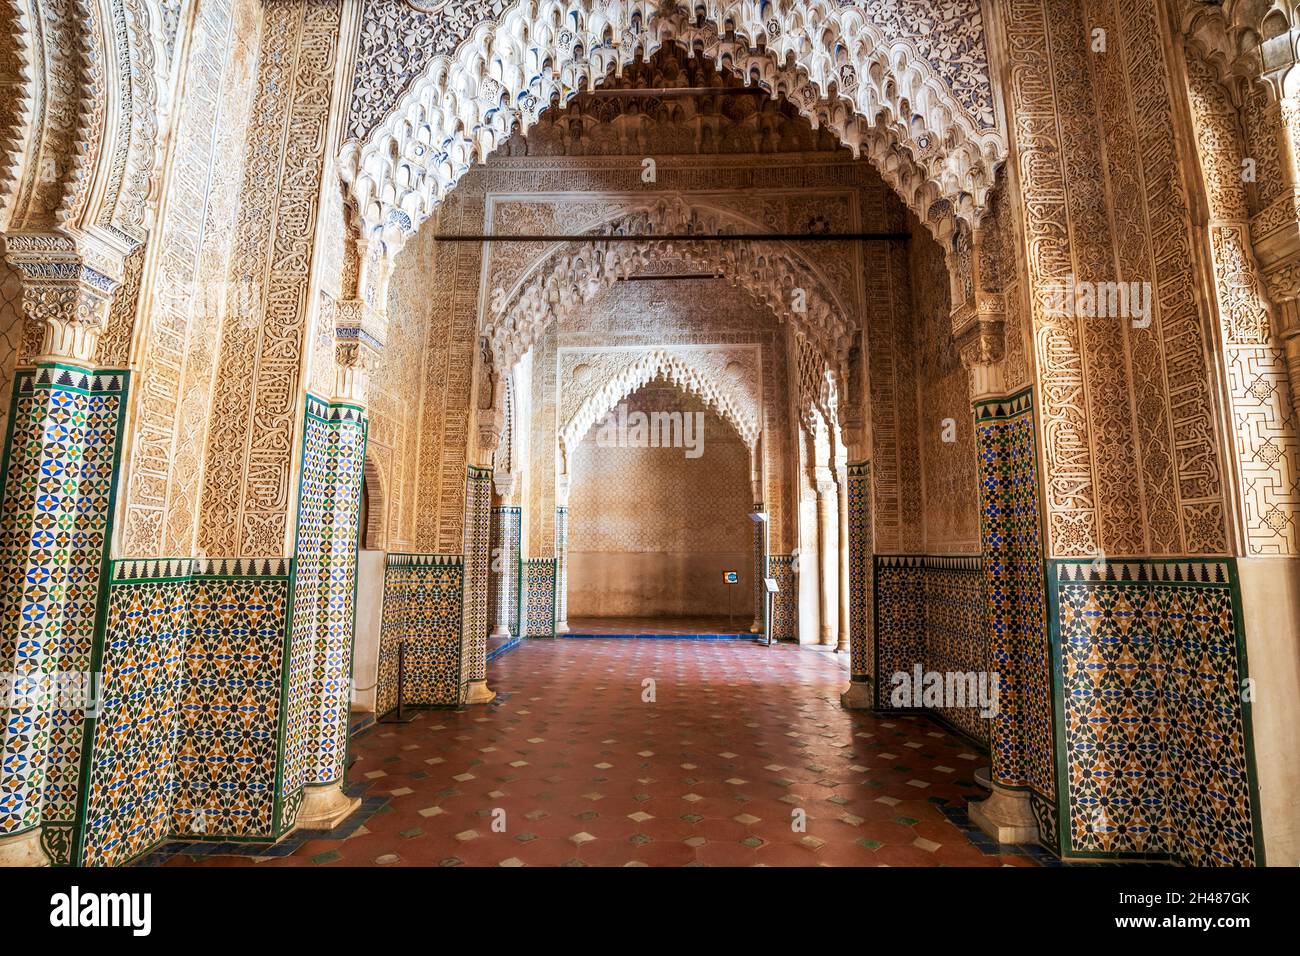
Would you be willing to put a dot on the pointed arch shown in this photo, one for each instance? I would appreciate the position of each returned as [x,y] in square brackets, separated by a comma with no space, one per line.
[89,88]
[567,275]
[659,364]
[937,146]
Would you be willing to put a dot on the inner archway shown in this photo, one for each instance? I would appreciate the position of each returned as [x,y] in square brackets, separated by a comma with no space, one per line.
[659,516]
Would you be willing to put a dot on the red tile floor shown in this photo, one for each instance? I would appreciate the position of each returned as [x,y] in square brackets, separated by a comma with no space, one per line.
[581,761]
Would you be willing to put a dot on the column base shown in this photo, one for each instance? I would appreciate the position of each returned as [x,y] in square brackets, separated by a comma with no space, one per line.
[561,627]
[479,693]
[500,631]
[857,697]
[1006,816]
[23,850]
[325,807]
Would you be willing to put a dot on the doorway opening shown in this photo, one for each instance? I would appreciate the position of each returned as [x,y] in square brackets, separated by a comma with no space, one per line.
[660,542]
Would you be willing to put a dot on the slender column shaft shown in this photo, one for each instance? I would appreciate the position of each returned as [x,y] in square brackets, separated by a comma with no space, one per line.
[561,570]
[829,565]
[842,551]
[760,570]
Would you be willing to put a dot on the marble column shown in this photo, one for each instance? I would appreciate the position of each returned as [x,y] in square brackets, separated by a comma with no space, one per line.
[507,523]
[562,555]
[829,565]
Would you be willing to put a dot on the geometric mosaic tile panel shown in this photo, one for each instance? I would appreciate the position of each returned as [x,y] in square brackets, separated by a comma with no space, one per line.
[423,610]
[930,611]
[539,597]
[900,619]
[1153,722]
[61,454]
[861,569]
[785,602]
[186,742]
[478,562]
[955,640]
[505,579]
[132,775]
[324,594]
[231,706]
[1022,735]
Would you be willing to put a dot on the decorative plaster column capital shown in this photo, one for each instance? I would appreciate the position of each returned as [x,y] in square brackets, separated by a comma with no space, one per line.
[491,423]
[981,345]
[853,432]
[359,332]
[506,484]
[68,286]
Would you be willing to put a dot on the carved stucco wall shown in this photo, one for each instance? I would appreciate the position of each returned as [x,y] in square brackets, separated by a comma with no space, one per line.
[451,347]
[86,85]
[189,290]
[946,426]
[1128,409]
[813,287]
[250,459]
[1003,271]
[544,453]
[393,442]
[895,430]
[566,194]
[1266,443]
[11,331]
[1132,452]
[651,530]
[729,336]
[727,379]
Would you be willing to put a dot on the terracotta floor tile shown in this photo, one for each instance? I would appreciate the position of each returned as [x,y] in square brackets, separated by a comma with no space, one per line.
[672,853]
[727,854]
[905,856]
[545,852]
[785,854]
[570,715]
